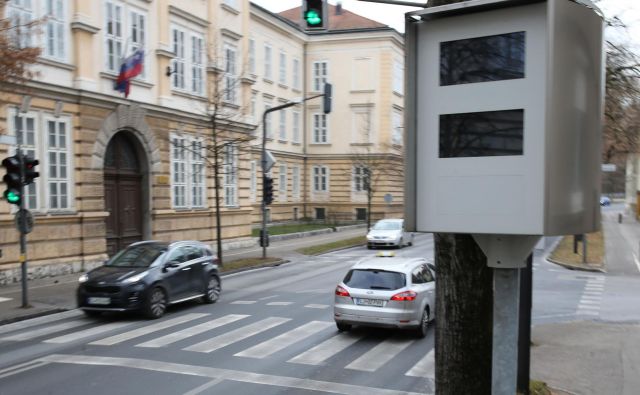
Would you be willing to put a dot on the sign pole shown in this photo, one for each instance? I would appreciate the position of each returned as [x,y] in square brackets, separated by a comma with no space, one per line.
[22,219]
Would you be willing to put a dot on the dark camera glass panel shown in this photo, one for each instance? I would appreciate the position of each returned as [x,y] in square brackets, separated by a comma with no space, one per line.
[473,134]
[481,59]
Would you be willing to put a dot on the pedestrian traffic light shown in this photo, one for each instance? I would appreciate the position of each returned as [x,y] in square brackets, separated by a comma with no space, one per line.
[30,172]
[313,13]
[267,190]
[13,179]
[326,99]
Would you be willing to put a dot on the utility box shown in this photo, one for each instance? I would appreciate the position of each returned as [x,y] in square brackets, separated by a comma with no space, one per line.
[504,111]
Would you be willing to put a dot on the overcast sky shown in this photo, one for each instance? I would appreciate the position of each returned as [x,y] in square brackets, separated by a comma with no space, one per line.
[393,15]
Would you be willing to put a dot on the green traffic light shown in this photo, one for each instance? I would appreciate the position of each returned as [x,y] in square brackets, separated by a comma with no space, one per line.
[12,196]
[313,18]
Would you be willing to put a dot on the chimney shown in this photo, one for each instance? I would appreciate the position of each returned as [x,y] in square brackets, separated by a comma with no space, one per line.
[339,8]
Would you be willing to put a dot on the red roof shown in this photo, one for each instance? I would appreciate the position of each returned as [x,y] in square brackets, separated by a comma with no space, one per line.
[339,18]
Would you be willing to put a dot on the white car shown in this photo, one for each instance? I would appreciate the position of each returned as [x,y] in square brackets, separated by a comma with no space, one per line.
[392,292]
[389,233]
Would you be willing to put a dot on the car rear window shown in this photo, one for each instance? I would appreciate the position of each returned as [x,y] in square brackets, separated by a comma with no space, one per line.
[374,279]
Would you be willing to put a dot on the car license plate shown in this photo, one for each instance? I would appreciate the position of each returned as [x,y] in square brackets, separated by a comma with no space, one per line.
[370,302]
[99,301]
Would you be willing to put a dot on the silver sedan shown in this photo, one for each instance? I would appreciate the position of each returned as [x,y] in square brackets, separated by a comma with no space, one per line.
[393,292]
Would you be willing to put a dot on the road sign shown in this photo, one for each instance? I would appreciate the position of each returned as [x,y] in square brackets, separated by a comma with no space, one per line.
[388,198]
[25,226]
[269,161]
[608,167]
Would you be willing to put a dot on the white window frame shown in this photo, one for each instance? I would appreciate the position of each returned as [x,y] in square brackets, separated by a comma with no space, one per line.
[295,182]
[397,133]
[359,173]
[179,60]
[268,53]
[230,73]
[268,124]
[197,165]
[253,180]
[320,178]
[398,77]
[22,13]
[29,146]
[283,68]
[282,127]
[179,166]
[252,56]
[230,169]
[114,34]
[253,106]
[320,73]
[320,128]
[295,138]
[295,70]
[55,37]
[282,182]
[137,24]
[197,63]
[58,174]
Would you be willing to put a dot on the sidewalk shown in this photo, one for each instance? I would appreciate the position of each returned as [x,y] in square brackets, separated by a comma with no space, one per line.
[595,357]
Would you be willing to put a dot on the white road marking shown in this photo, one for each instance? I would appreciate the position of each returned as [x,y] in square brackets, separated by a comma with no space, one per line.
[203,387]
[325,350]
[32,334]
[278,343]
[40,320]
[379,355]
[195,330]
[87,333]
[23,367]
[243,302]
[5,299]
[425,367]
[227,374]
[237,335]
[110,341]
[279,303]
[635,259]
[589,302]
[317,306]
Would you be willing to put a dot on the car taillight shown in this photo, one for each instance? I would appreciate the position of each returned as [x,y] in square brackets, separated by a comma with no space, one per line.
[341,291]
[404,296]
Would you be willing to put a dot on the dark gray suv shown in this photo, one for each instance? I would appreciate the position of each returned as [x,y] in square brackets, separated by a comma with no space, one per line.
[149,276]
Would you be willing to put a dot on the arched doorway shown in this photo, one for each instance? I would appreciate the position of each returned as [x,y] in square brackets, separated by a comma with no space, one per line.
[123,192]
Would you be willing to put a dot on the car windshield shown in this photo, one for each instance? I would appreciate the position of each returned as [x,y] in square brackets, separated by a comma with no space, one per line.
[137,256]
[374,279]
[387,225]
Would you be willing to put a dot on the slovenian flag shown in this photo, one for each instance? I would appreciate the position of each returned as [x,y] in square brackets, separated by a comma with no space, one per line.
[131,67]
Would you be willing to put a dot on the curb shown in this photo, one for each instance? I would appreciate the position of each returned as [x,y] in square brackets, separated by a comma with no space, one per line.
[571,266]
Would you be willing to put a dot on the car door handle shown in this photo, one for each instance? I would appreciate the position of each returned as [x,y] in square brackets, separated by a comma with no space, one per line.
[186,268]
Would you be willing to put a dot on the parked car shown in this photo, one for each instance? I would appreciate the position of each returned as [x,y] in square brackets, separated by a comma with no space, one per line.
[149,276]
[389,233]
[605,201]
[394,292]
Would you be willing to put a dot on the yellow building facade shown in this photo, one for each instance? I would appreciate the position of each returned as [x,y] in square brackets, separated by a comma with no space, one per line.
[115,170]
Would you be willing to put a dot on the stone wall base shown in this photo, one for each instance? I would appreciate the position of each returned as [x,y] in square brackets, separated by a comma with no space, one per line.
[14,275]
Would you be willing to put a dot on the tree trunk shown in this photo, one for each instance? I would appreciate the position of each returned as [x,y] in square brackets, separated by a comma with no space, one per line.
[216,187]
[464,311]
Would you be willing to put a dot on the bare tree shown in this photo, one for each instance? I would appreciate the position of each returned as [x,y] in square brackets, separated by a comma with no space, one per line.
[16,52]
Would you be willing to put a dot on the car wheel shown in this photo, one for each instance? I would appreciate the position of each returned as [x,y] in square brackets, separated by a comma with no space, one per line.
[92,313]
[369,246]
[421,330]
[156,303]
[212,293]
[342,327]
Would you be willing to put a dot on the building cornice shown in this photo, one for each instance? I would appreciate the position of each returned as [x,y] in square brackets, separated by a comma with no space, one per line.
[188,16]
[84,27]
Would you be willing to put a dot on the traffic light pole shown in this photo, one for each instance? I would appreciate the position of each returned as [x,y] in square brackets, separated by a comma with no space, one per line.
[23,236]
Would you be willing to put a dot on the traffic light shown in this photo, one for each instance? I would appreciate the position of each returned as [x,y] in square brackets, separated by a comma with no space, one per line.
[267,189]
[314,14]
[30,169]
[13,179]
[326,99]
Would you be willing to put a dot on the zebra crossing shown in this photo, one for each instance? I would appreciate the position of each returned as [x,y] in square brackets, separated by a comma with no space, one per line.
[591,298]
[315,342]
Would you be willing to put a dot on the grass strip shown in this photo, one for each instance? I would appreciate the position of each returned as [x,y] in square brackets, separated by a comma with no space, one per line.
[322,248]
[291,228]
[595,250]
[248,262]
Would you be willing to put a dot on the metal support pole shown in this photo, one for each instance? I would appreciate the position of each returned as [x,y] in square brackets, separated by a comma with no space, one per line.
[524,329]
[264,203]
[505,331]
[584,248]
[23,236]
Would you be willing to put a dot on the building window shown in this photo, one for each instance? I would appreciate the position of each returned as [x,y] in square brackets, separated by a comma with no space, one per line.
[254,177]
[114,36]
[282,183]
[283,68]
[361,179]
[46,139]
[296,74]
[197,173]
[197,65]
[361,214]
[296,126]
[55,30]
[20,13]
[295,182]
[320,129]
[398,77]
[320,213]
[188,62]
[230,175]
[319,75]
[188,158]
[230,77]
[320,178]
[267,62]
[396,135]
[253,106]
[267,119]
[283,125]
[252,56]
